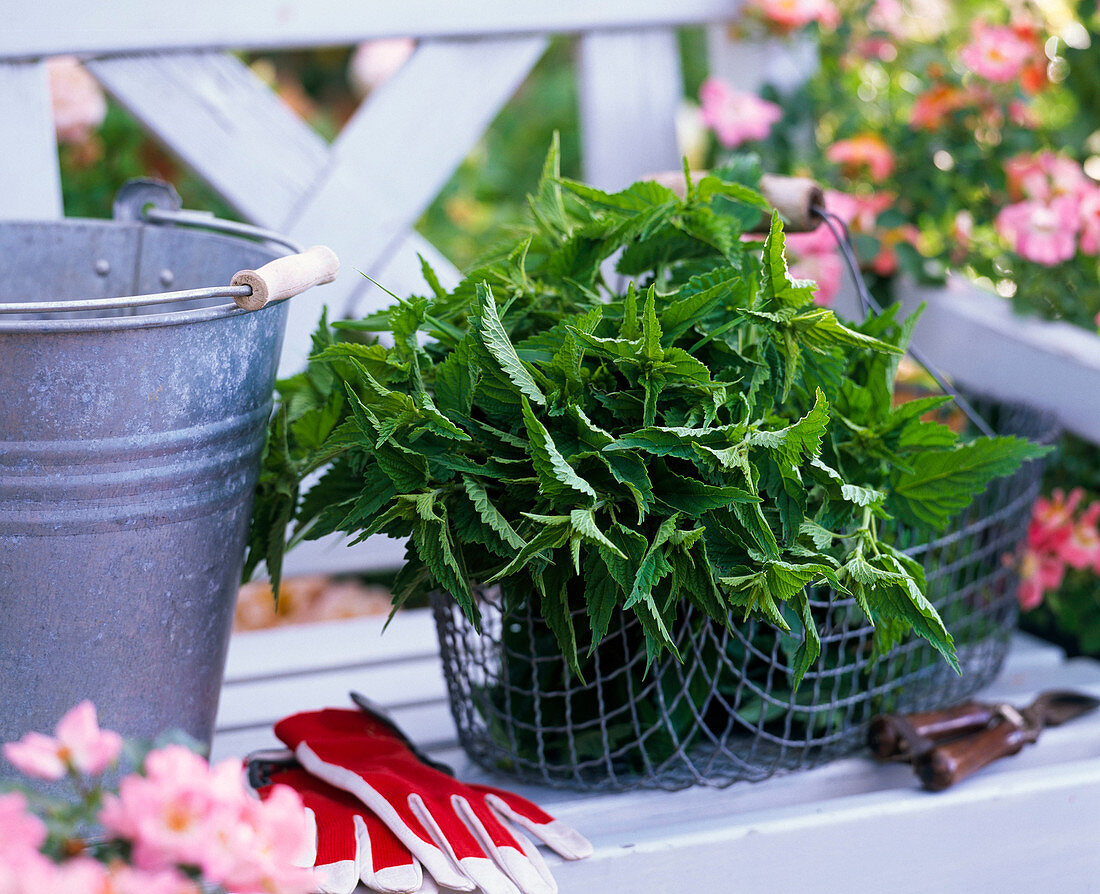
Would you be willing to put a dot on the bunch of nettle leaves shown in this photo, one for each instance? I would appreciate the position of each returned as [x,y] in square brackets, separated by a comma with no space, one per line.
[702,435]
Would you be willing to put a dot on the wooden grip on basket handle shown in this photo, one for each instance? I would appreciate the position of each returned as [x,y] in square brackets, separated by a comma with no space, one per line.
[286,277]
[946,764]
[793,197]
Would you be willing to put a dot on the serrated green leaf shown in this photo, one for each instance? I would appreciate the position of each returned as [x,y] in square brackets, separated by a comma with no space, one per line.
[490,514]
[862,496]
[651,329]
[779,289]
[497,343]
[557,479]
[938,484]
[694,498]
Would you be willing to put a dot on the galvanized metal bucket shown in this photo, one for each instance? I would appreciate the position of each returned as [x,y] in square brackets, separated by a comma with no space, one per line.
[131,430]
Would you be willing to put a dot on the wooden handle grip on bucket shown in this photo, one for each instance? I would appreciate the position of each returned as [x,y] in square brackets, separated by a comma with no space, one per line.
[286,277]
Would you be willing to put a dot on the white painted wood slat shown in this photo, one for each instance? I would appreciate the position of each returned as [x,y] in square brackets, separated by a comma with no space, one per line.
[630,89]
[223,122]
[394,156]
[30,180]
[134,25]
[318,647]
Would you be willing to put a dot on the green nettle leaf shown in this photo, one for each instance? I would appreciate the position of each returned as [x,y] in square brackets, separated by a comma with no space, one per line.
[490,514]
[651,329]
[603,448]
[557,479]
[778,287]
[791,445]
[939,484]
[695,498]
[584,526]
[862,496]
[498,344]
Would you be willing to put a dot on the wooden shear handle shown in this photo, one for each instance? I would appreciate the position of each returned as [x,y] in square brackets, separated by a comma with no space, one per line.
[903,736]
[946,764]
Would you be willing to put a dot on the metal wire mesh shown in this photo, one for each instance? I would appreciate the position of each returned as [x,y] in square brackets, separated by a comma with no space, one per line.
[728,712]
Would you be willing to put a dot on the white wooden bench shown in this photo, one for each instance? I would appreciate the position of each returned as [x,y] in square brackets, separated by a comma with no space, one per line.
[1027,823]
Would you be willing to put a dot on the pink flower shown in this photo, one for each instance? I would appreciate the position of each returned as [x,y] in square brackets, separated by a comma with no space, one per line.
[1039,575]
[79,105]
[1089,209]
[866,151]
[21,832]
[825,269]
[1051,519]
[80,745]
[887,16]
[998,53]
[734,116]
[790,15]
[1081,549]
[185,812]
[1044,175]
[376,61]
[128,880]
[171,813]
[1040,232]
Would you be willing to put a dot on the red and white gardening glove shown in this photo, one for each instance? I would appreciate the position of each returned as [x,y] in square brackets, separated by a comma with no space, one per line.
[352,843]
[464,835]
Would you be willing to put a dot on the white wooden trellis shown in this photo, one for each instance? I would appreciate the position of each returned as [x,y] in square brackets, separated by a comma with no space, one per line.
[168,65]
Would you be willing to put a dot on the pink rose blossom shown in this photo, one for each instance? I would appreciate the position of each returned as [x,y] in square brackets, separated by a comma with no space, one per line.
[21,832]
[79,745]
[376,61]
[734,116]
[185,812]
[1089,209]
[866,151]
[790,15]
[824,269]
[79,105]
[998,53]
[1044,175]
[1040,232]
[128,880]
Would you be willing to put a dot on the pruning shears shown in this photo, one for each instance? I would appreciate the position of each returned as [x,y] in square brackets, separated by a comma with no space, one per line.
[946,746]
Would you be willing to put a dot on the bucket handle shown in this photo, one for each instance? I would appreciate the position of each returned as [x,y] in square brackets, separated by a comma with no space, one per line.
[286,277]
[275,281]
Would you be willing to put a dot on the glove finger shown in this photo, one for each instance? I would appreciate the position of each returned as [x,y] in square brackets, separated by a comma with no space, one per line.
[533,853]
[387,865]
[457,840]
[335,854]
[391,807]
[562,838]
[508,853]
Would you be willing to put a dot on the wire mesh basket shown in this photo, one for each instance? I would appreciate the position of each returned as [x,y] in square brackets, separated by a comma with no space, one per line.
[729,712]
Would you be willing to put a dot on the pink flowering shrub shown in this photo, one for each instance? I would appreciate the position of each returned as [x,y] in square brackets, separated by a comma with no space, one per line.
[734,116]
[1061,534]
[178,826]
[784,16]
[79,105]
